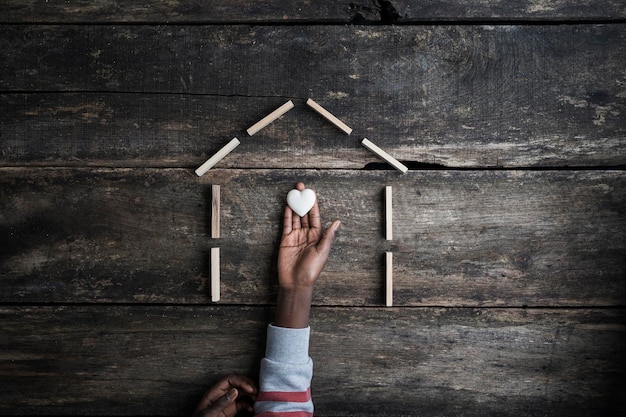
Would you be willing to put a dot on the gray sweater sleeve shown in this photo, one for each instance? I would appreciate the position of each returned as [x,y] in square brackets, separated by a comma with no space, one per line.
[286,372]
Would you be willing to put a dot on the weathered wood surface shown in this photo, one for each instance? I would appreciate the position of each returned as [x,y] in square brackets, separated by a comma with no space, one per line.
[242,60]
[459,96]
[321,11]
[431,362]
[461,238]
[105,230]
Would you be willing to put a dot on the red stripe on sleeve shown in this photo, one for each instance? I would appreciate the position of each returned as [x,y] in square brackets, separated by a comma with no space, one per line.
[285,397]
[285,414]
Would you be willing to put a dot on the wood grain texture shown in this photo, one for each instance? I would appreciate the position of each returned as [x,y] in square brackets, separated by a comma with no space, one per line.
[508,284]
[215,275]
[458,96]
[216,218]
[121,361]
[469,238]
[321,11]
[125,360]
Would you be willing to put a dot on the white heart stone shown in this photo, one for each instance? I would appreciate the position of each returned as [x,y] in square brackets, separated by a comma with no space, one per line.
[301,201]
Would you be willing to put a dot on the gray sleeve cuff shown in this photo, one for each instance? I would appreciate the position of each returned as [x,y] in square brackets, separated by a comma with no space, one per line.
[287,345]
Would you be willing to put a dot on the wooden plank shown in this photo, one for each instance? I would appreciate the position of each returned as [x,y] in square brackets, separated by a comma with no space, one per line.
[467,362]
[323,11]
[78,129]
[125,360]
[216,60]
[469,238]
[165,356]
[503,96]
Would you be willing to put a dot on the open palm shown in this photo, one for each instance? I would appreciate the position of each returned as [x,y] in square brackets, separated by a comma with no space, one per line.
[304,248]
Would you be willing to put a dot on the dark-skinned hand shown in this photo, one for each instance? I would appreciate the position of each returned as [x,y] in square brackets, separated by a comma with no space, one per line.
[228,397]
[303,252]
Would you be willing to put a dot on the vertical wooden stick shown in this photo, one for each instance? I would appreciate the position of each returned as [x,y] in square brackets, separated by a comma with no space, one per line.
[215,211]
[270,118]
[389,279]
[210,163]
[388,213]
[215,274]
[341,125]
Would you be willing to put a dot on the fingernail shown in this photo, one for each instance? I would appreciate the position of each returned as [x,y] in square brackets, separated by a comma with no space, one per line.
[231,394]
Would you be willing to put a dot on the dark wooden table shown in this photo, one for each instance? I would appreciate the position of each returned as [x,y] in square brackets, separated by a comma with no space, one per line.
[509,229]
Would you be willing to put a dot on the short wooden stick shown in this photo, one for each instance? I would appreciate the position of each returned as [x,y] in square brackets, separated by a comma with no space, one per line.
[210,163]
[388,213]
[341,125]
[270,118]
[215,211]
[215,274]
[389,279]
[384,155]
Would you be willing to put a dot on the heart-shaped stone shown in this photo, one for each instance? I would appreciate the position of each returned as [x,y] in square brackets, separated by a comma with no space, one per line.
[301,201]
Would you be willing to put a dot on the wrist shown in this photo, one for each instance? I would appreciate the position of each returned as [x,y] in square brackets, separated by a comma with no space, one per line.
[295,288]
[293,307]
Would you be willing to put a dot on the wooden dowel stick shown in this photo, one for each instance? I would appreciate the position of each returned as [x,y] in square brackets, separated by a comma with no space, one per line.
[384,155]
[388,213]
[341,125]
[389,279]
[210,163]
[270,118]
[215,211]
[215,274]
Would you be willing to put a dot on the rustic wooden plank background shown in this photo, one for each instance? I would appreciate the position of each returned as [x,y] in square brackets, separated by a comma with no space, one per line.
[325,11]
[509,241]
[98,235]
[460,96]
[440,361]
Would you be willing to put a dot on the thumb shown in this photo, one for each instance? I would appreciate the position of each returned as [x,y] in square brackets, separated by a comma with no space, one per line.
[226,399]
[328,238]
[230,396]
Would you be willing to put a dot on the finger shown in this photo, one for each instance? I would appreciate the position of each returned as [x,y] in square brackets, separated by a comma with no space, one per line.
[227,399]
[231,381]
[295,222]
[327,240]
[220,408]
[314,219]
[287,219]
[242,382]
[213,394]
[299,222]
[304,221]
